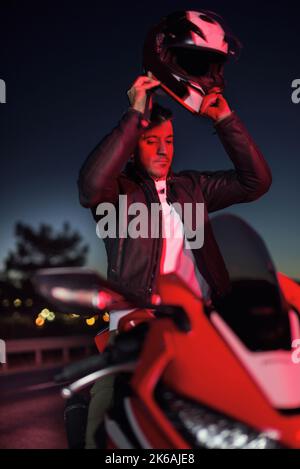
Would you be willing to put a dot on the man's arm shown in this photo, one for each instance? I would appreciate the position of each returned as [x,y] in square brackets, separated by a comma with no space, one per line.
[98,177]
[251,177]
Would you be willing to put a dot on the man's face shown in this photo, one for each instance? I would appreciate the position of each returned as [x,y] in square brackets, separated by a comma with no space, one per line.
[156,148]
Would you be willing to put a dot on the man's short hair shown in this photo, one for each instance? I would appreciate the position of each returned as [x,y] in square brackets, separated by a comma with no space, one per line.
[159,114]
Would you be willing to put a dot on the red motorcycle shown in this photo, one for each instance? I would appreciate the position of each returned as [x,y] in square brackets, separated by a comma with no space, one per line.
[190,374]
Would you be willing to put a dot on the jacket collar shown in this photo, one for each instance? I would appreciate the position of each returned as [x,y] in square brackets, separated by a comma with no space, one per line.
[137,171]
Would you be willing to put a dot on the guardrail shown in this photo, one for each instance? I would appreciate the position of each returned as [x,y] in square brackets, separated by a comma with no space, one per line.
[17,349]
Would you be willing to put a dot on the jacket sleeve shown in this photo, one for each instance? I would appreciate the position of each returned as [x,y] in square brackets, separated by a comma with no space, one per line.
[251,177]
[98,176]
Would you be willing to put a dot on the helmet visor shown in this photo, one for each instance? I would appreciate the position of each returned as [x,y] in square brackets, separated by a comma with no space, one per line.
[194,62]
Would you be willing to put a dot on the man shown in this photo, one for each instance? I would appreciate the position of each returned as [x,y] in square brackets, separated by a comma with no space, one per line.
[147,148]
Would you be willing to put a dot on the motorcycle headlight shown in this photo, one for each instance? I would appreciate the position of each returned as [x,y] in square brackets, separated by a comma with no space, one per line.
[208,429]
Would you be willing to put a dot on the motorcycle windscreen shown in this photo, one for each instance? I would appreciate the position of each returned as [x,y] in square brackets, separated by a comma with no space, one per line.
[255,309]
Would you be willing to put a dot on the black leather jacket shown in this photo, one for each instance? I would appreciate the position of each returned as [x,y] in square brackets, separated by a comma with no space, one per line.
[134,263]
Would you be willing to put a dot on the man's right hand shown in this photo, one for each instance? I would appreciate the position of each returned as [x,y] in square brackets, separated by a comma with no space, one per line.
[137,94]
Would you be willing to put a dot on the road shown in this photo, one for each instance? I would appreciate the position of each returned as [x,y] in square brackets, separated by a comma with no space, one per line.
[31,412]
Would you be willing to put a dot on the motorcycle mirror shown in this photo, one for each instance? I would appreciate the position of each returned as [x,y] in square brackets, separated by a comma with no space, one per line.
[82,291]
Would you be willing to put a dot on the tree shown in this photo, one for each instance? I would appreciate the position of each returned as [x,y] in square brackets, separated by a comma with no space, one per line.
[42,248]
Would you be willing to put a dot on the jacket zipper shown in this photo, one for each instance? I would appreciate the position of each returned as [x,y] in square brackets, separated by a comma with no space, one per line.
[153,271]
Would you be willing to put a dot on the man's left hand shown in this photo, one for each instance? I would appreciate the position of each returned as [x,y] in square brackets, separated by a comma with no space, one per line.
[215,106]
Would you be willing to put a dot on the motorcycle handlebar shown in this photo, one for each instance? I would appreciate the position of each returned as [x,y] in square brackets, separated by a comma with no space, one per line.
[81,368]
[126,346]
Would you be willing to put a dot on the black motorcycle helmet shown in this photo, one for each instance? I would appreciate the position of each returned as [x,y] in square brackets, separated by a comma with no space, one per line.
[186,51]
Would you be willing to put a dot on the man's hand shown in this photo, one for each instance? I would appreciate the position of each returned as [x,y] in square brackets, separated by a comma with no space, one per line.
[137,94]
[215,106]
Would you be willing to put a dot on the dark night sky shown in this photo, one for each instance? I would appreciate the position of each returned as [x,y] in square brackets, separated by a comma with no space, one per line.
[67,67]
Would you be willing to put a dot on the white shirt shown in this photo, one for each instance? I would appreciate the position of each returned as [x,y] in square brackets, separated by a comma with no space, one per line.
[175,256]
